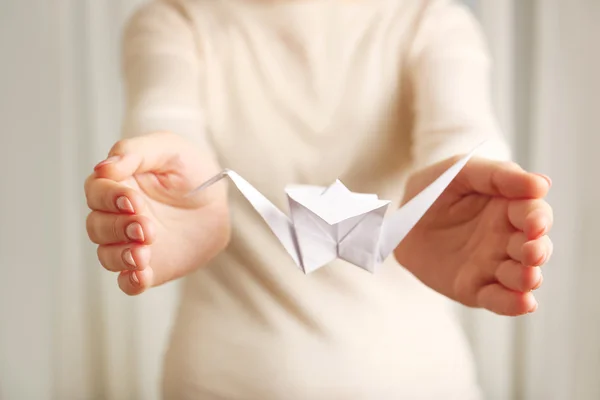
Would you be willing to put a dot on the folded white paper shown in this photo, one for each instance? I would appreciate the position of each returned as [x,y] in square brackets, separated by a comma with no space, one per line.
[332,222]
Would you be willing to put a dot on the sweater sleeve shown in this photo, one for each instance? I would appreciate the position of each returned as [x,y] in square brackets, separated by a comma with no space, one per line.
[449,68]
[161,70]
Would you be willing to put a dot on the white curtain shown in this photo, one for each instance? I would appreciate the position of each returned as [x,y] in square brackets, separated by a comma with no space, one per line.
[547,94]
[562,342]
[66,332]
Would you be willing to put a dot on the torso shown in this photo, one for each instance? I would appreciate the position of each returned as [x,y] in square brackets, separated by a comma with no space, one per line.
[309,99]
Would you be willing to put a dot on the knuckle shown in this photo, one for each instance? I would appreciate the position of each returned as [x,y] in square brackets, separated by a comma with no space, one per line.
[90,223]
[517,239]
[93,201]
[540,204]
[120,147]
[87,184]
[514,165]
[522,284]
[533,207]
[527,282]
[88,188]
[533,204]
[116,227]
[108,201]
[106,259]
[129,290]
[101,254]
[510,165]
[88,202]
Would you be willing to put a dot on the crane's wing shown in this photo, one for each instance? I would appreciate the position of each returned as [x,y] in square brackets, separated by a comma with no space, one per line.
[279,223]
[399,224]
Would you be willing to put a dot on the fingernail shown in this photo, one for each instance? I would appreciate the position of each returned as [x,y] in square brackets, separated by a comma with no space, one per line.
[107,161]
[541,260]
[124,204]
[546,177]
[545,225]
[541,231]
[134,231]
[134,279]
[540,281]
[534,308]
[128,258]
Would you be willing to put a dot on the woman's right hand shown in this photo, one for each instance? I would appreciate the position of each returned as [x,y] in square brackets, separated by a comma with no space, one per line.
[146,228]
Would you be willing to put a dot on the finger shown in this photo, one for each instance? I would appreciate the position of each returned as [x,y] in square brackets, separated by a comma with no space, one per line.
[156,152]
[515,276]
[537,252]
[104,228]
[110,196]
[503,301]
[514,248]
[124,257]
[133,283]
[529,252]
[534,217]
[496,178]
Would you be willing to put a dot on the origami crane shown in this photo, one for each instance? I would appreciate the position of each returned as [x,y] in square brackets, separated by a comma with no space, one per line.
[332,222]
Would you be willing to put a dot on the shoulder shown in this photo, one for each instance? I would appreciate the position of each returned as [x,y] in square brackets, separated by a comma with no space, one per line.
[160,25]
[446,21]
[159,16]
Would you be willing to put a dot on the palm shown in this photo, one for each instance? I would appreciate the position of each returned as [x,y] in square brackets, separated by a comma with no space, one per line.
[180,222]
[468,235]
[145,225]
[176,227]
[466,246]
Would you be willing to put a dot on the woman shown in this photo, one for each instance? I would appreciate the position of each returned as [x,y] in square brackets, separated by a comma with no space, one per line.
[381,94]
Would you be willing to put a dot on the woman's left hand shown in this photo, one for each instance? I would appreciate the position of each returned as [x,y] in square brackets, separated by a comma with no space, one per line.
[482,243]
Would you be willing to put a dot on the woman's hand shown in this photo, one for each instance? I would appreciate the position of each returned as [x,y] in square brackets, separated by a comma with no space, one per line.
[146,229]
[483,242]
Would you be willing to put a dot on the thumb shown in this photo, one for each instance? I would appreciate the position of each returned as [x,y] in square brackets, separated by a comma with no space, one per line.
[155,152]
[506,179]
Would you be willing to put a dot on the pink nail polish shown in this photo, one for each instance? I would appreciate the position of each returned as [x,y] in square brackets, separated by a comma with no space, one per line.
[134,231]
[128,258]
[542,260]
[545,227]
[123,204]
[534,308]
[134,279]
[539,233]
[539,283]
[107,161]
[546,177]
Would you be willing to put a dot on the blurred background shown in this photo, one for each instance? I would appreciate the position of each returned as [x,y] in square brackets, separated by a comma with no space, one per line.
[67,332]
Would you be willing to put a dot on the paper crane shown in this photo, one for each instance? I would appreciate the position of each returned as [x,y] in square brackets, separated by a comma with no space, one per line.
[332,222]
